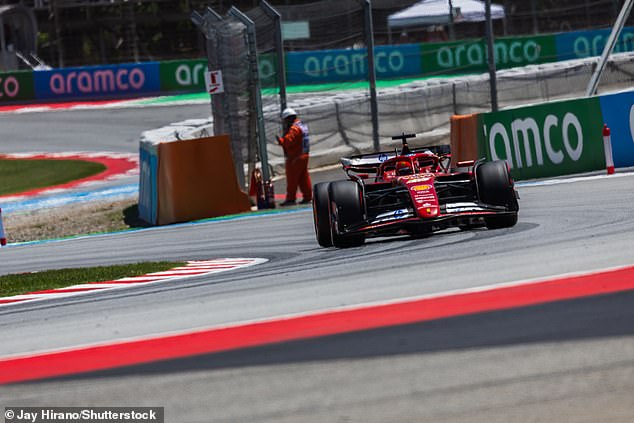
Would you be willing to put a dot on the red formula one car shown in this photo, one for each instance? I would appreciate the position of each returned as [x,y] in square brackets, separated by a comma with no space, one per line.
[412,192]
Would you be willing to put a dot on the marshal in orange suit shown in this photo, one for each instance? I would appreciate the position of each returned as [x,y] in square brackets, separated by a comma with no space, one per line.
[296,146]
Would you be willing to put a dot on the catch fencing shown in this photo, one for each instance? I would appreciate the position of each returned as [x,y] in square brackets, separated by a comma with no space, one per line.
[233,111]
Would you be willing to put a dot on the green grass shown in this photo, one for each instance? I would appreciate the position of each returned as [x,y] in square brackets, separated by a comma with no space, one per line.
[18,175]
[50,279]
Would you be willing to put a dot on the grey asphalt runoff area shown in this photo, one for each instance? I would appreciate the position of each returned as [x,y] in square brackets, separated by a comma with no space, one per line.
[115,129]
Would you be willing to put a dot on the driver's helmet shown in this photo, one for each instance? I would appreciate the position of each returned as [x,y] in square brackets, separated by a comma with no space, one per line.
[404,168]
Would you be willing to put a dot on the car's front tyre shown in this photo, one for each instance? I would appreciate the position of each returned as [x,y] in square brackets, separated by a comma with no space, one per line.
[321,214]
[495,187]
[346,210]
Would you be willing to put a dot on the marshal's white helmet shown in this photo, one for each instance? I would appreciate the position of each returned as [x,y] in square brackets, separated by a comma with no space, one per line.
[288,112]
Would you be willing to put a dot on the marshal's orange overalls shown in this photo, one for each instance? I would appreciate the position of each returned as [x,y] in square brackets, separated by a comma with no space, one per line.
[296,147]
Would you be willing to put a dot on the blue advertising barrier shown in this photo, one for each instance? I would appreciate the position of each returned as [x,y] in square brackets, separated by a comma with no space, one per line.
[314,67]
[581,44]
[125,80]
[618,114]
[148,185]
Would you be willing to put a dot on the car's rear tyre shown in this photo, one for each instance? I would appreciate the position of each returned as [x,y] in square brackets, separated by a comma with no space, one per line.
[321,214]
[495,187]
[346,209]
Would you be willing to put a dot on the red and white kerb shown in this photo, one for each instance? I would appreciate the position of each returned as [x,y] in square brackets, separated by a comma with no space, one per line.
[192,268]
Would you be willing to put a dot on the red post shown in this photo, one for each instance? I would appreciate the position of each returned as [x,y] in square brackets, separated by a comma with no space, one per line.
[607,146]
[3,239]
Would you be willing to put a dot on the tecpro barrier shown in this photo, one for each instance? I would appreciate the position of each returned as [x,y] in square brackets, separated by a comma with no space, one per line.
[188,180]
[463,141]
[148,177]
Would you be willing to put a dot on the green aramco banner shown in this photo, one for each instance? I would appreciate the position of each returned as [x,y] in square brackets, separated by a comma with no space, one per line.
[471,55]
[545,140]
[183,75]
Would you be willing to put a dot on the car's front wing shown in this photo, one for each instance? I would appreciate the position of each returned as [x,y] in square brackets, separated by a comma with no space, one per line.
[451,215]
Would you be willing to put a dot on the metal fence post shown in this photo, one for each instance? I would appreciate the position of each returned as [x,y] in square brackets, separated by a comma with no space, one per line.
[369,42]
[452,31]
[279,49]
[491,50]
[609,46]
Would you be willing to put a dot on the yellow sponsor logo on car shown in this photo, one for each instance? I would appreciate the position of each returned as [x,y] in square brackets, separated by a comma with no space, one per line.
[421,188]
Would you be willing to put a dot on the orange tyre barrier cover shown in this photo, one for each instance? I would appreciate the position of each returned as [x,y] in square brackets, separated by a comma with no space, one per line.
[464,138]
[197,180]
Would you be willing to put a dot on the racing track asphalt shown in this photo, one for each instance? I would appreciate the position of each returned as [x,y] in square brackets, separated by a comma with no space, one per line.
[566,361]
[115,130]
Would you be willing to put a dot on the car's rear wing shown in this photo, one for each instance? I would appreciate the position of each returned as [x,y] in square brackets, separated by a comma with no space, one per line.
[369,163]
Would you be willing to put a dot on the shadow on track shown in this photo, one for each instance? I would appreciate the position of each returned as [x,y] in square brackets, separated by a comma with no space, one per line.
[593,317]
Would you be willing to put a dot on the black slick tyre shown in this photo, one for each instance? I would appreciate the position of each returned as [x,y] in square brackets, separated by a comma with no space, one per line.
[346,210]
[321,214]
[495,187]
